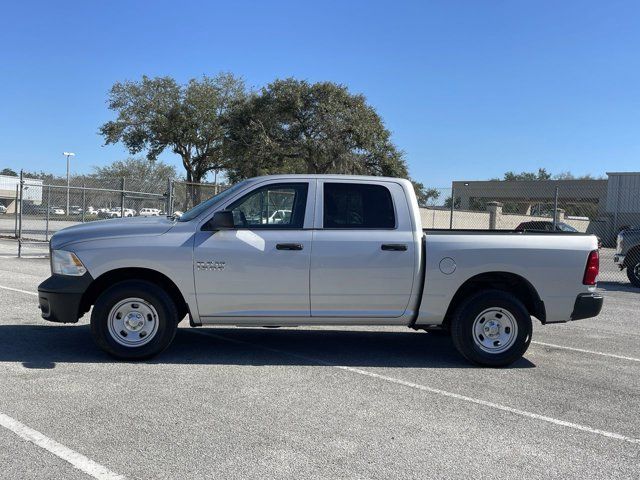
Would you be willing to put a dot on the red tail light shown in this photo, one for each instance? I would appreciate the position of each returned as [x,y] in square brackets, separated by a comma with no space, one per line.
[592,270]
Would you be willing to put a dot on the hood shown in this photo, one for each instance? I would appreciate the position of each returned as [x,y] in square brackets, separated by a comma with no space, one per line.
[116,227]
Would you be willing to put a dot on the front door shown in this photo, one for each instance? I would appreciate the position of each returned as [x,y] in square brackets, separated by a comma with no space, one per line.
[261,267]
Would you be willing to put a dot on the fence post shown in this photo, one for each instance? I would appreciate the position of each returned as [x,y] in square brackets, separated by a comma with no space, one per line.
[15,212]
[172,200]
[555,210]
[84,199]
[122,199]
[20,219]
[169,195]
[46,233]
[495,212]
[453,202]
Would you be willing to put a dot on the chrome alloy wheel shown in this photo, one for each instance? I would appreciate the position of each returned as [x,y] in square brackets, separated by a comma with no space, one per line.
[636,270]
[495,330]
[133,322]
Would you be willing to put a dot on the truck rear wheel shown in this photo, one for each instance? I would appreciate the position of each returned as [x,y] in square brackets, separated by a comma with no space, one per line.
[134,320]
[491,328]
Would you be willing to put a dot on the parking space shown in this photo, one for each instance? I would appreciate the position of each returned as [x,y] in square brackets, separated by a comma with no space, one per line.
[317,402]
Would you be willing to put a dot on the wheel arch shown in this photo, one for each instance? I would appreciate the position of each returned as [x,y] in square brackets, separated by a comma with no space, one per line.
[505,281]
[111,277]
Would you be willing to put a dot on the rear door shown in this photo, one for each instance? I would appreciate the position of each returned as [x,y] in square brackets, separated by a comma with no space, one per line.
[363,258]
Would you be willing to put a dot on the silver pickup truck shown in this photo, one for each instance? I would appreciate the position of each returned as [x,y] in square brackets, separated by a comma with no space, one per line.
[291,250]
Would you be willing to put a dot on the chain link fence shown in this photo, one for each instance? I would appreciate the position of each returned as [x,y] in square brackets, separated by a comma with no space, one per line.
[602,207]
[185,195]
[34,210]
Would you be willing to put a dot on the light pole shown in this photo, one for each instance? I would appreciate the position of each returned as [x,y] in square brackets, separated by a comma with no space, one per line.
[68,154]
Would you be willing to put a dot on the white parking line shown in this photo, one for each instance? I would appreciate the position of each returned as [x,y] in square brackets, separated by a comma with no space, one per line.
[18,290]
[592,352]
[77,460]
[437,391]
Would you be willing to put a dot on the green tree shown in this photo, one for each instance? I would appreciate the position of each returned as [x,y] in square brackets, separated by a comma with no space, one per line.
[570,176]
[292,126]
[138,172]
[9,171]
[541,174]
[425,194]
[155,114]
[457,203]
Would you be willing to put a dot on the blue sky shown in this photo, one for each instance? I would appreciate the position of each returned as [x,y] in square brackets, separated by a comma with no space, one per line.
[469,89]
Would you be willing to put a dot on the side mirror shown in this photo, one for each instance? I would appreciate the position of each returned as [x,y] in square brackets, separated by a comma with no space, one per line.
[222,220]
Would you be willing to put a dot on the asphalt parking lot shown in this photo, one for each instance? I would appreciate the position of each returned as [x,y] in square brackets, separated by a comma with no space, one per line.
[315,402]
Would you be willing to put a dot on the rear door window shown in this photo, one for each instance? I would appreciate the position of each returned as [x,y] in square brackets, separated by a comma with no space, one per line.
[357,206]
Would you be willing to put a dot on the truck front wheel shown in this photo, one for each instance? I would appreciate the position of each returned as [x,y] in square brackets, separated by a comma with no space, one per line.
[134,320]
[491,328]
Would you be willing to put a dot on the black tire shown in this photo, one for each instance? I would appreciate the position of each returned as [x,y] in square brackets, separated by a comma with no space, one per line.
[633,272]
[463,328]
[165,329]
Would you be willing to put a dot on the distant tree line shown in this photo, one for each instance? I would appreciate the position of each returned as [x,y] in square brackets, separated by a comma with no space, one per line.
[542,174]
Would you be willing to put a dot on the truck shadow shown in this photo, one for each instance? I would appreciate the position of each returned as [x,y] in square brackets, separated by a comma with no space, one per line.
[44,346]
[618,287]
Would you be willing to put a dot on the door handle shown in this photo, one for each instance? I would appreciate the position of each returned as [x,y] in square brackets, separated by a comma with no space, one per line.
[394,247]
[289,246]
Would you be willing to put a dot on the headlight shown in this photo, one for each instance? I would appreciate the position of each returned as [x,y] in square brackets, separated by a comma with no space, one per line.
[66,263]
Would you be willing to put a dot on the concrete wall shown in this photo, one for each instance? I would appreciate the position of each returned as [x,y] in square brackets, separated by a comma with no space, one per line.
[439,218]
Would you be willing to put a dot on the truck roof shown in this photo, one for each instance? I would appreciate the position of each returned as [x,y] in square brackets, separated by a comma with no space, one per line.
[335,176]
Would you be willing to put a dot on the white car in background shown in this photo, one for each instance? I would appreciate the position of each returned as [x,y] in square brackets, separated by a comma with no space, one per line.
[149,212]
[116,213]
[279,216]
[56,211]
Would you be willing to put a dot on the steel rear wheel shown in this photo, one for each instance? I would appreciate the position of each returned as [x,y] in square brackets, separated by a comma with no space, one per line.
[134,320]
[491,328]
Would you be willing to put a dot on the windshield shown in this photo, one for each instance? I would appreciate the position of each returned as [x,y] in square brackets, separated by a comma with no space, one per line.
[201,207]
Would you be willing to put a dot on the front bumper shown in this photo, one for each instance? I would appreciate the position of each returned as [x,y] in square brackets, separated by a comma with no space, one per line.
[587,305]
[59,297]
